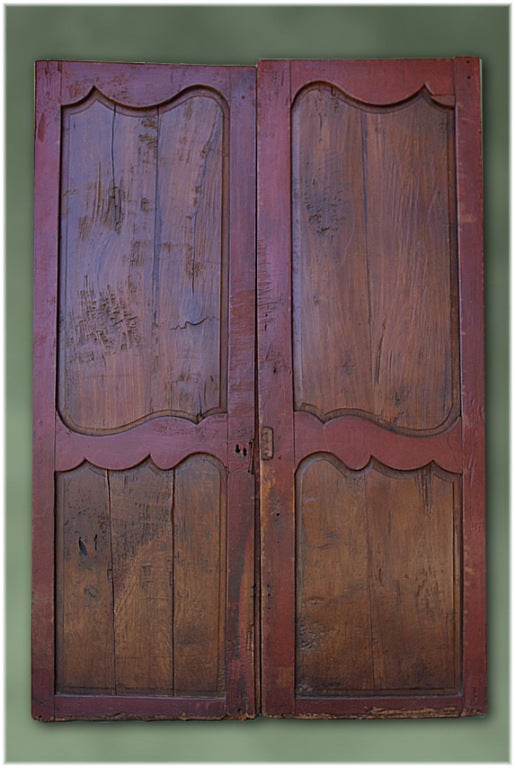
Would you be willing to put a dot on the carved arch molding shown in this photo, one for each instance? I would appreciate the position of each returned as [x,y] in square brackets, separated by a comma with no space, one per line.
[282,517]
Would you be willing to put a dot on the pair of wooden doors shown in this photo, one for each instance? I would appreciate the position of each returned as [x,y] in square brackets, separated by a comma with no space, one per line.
[282,516]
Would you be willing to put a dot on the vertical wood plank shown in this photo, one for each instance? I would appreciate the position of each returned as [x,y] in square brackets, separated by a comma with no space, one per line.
[275,388]
[107,235]
[199,513]
[334,642]
[85,637]
[329,252]
[188,367]
[410,200]
[46,207]
[411,528]
[467,73]
[141,525]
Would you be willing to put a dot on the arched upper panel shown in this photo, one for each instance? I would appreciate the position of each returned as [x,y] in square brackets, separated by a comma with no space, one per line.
[374,260]
[143,261]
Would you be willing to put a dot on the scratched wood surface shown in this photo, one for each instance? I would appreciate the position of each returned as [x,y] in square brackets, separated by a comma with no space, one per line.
[141,259]
[360,334]
[85,629]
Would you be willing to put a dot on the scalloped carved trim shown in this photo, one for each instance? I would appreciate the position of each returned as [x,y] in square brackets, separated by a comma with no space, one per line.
[166,441]
[405,100]
[355,441]
[374,464]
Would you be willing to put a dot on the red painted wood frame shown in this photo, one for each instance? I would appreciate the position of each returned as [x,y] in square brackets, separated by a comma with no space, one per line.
[167,440]
[355,441]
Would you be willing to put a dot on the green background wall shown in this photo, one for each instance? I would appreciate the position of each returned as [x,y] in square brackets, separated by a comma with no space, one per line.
[241,35]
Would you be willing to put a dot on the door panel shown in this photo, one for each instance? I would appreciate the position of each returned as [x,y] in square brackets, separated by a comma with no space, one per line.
[365,378]
[143,262]
[378,565]
[148,296]
[375,260]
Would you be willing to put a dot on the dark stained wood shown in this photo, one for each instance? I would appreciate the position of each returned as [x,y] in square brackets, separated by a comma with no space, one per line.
[85,637]
[199,578]
[141,501]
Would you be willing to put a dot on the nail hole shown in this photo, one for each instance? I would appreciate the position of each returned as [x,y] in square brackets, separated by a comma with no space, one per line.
[82,548]
[237,449]
[244,451]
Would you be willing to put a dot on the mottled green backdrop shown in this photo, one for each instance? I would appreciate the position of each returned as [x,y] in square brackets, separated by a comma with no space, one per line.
[242,35]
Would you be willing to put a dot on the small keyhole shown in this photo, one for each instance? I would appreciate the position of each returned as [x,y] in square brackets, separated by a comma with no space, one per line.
[237,449]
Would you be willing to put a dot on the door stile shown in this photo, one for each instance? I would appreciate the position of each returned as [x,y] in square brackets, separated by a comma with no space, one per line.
[46,212]
[241,664]
[275,391]
[467,72]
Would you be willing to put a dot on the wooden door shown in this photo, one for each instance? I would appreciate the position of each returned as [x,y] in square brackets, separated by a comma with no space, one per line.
[144,392]
[370,366]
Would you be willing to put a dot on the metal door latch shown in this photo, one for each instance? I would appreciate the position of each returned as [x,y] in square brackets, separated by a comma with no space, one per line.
[267,443]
